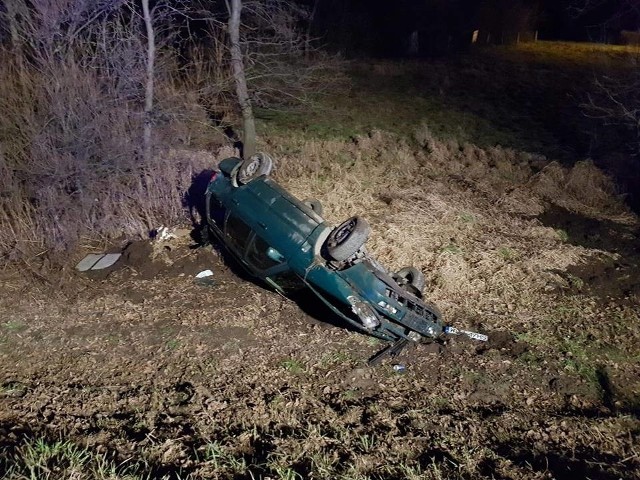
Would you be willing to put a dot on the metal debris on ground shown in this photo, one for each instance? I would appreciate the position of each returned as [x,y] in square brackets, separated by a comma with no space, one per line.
[97,261]
[475,336]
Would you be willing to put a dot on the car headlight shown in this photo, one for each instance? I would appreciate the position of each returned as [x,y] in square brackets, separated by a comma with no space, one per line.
[364,312]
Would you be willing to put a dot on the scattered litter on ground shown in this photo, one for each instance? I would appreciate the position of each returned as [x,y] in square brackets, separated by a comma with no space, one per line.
[204,274]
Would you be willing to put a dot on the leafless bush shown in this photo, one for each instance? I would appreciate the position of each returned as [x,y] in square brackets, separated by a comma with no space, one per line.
[207,75]
[616,101]
[71,160]
[616,98]
[282,68]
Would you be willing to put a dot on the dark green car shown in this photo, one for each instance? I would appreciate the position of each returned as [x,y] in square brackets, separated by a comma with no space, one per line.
[286,243]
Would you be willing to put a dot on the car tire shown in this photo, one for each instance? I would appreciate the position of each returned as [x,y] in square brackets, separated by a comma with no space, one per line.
[253,167]
[314,204]
[347,238]
[413,277]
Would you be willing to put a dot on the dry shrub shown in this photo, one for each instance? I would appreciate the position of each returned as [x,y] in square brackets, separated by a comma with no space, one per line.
[72,99]
[81,171]
[207,77]
[451,212]
[283,66]
[583,188]
[70,149]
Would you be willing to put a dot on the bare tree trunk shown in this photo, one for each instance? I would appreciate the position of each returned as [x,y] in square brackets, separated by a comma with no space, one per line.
[237,65]
[148,97]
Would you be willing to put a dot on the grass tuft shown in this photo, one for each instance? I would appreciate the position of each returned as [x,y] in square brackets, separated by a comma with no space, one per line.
[41,459]
[292,365]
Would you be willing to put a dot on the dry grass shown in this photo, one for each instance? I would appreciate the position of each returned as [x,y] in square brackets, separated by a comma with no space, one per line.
[236,382]
[463,215]
[599,56]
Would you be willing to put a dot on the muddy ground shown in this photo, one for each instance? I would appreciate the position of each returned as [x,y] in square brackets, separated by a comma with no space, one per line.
[145,367]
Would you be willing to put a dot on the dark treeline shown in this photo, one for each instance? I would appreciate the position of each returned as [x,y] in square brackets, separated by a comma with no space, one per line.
[435,27]
[411,27]
[428,27]
[589,20]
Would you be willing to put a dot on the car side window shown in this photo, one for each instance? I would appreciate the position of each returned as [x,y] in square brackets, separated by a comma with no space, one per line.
[238,233]
[262,256]
[216,211]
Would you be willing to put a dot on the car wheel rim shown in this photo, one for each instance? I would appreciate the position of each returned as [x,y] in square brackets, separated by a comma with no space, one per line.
[344,231]
[252,167]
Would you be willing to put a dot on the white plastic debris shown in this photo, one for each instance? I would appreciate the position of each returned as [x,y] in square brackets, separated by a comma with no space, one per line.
[106,261]
[163,233]
[205,274]
[97,261]
[205,278]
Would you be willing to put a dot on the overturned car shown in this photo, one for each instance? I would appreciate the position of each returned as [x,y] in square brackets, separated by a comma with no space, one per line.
[287,244]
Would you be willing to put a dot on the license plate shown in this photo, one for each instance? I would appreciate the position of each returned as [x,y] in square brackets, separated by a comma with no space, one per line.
[473,335]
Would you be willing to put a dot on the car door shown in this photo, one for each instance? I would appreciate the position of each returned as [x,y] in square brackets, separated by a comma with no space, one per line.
[215,214]
[254,252]
[237,235]
[270,265]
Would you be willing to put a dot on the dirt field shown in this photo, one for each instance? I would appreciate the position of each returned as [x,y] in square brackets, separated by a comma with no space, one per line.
[142,373]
